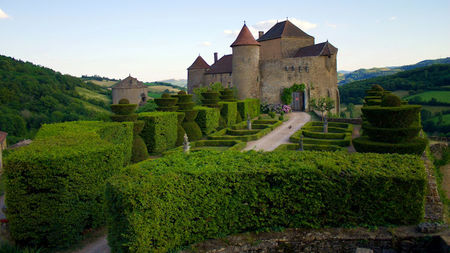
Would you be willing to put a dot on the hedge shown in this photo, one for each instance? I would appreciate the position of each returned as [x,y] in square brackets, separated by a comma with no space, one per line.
[123,109]
[391,135]
[232,144]
[242,134]
[181,199]
[392,117]
[249,106]
[180,129]
[55,185]
[414,146]
[228,112]
[331,125]
[309,147]
[160,131]
[207,119]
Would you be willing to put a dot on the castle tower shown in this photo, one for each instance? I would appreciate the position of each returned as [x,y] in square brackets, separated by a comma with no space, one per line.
[245,65]
[196,73]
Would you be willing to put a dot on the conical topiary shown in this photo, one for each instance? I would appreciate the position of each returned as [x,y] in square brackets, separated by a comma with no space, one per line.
[125,112]
[180,129]
[166,103]
[186,106]
[227,95]
[211,99]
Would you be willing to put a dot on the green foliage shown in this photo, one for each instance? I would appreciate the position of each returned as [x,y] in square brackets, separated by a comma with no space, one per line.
[160,131]
[189,125]
[286,95]
[249,106]
[272,114]
[215,87]
[150,106]
[322,104]
[391,135]
[391,100]
[123,109]
[55,186]
[239,132]
[32,95]
[180,129]
[227,95]
[205,144]
[140,152]
[124,118]
[392,117]
[192,129]
[228,112]
[182,199]
[339,134]
[211,99]
[7,248]
[124,101]
[207,119]
[414,146]
[166,103]
[309,147]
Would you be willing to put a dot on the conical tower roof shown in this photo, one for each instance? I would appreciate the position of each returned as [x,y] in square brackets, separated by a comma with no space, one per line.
[245,38]
[129,83]
[199,63]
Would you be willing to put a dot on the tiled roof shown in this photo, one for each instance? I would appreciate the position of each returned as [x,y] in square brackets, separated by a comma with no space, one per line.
[283,29]
[320,49]
[3,136]
[129,83]
[199,63]
[245,37]
[223,65]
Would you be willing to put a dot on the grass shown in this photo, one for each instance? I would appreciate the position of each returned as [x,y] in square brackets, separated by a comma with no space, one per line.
[356,113]
[89,94]
[435,109]
[401,93]
[161,89]
[154,95]
[92,107]
[441,96]
[103,83]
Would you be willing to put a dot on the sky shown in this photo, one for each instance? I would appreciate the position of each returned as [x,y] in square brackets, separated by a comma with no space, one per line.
[157,40]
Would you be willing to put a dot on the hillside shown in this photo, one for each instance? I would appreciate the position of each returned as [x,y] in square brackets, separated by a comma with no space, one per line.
[362,74]
[176,82]
[32,95]
[420,79]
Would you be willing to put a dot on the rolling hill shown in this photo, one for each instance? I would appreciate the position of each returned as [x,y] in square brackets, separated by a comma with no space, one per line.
[32,95]
[362,74]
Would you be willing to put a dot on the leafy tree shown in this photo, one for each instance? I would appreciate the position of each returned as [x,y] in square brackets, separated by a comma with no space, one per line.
[322,105]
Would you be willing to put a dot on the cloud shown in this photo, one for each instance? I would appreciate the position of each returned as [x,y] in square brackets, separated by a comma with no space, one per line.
[230,33]
[267,24]
[3,15]
[392,18]
[205,44]
[334,26]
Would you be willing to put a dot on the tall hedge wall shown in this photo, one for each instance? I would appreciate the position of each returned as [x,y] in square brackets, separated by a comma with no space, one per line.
[228,112]
[55,186]
[249,106]
[181,199]
[207,118]
[160,130]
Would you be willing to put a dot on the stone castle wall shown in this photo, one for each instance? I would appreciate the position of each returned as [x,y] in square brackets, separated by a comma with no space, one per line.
[133,95]
[225,78]
[245,75]
[290,46]
[195,79]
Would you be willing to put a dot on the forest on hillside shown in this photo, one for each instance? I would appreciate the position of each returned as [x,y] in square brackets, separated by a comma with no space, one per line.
[31,95]
[420,79]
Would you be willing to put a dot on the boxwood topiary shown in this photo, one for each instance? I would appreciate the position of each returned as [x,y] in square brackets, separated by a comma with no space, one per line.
[207,119]
[124,101]
[228,112]
[227,95]
[414,146]
[391,100]
[160,130]
[123,109]
[189,125]
[180,129]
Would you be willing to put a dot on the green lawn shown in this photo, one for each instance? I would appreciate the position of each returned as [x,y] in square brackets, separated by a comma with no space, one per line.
[356,113]
[92,107]
[435,109]
[89,94]
[441,96]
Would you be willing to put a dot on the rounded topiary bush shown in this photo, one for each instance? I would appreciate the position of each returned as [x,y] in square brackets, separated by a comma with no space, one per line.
[192,129]
[227,95]
[185,105]
[138,126]
[211,99]
[377,87]
[414,146]
[140,152]
[392,117]
[166,103]
[391,100]
[123,109]
[180,129]
[124,101]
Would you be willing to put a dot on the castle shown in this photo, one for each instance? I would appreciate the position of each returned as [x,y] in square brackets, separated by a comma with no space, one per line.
[262,68]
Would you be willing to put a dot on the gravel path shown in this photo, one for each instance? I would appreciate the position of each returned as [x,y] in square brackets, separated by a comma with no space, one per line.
[98,246]
[281,134]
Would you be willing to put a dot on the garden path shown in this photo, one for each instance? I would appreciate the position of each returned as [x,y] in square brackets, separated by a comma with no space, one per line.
[281,134]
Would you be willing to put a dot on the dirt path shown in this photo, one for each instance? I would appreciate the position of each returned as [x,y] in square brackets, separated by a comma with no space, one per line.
[446,179]
[281,134]
[98,246]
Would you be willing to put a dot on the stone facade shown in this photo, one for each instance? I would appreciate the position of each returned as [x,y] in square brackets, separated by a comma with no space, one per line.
[282,57]
[132,89]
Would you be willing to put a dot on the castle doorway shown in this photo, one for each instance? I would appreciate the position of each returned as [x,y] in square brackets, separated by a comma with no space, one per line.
[298,101]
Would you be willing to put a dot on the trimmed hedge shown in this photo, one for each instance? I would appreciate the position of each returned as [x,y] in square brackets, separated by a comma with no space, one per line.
[124,118]
[123,109]
[391,135]
[207,119]
[227,95]
[414,146]
[249,106]
[242,134]
[232,144]
[228,112]
[392,117]
[160,131]
[181,199]
[180,129]
[55,185]
[339,134]
[308,147]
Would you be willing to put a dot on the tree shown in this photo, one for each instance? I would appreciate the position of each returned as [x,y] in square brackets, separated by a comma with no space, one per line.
[351,109]
[322,105]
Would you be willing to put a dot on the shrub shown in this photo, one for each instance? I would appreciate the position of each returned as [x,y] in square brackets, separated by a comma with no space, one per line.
[211,99]
[227,95]
[395,117]
[160,131]
[308,147]
[414,146]
[123,109]
[391,135]
[124,101]
[192,129]
[180,130]
[207,119]
[391,100]
[228,112]
[232,144]
[272,115]
[55,186]
[182,199]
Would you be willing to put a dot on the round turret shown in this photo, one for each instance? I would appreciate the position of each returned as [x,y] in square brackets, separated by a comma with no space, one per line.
[245,66]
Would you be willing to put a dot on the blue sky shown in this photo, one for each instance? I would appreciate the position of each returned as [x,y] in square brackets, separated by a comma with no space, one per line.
[155,40]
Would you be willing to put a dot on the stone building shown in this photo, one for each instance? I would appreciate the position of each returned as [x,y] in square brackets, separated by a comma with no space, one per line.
[132,89]
[2,147]
[278,59]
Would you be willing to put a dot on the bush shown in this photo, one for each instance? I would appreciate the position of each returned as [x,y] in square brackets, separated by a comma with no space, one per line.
[414,146]
[232,144]
[160,131]
[391,100]
[391,135]
[123,109]
[140,152]
[228,112]
[182,199]
[192,129]
[227,95]
[308,147]
[180,129]
[124,101]
[211,99]
[55,186]
[207,119]
[392,117]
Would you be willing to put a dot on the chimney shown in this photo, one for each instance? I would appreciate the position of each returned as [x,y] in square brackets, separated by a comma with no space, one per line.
[261,33]
[215,57]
